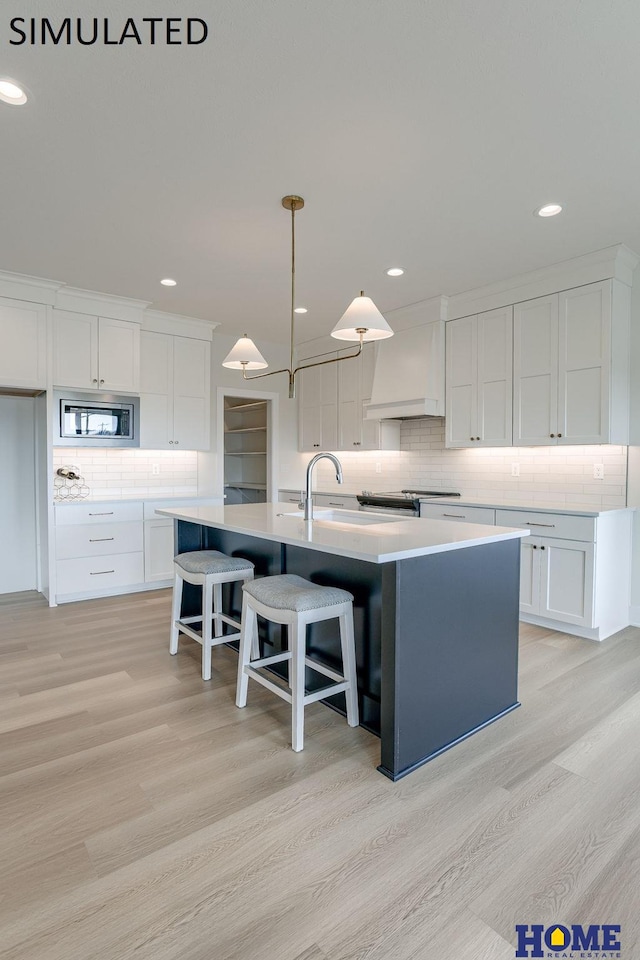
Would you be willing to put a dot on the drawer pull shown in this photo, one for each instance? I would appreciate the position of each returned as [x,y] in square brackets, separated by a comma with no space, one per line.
[105,513]
[332,503]
[456,516]
[98,573]
[529,523]
[99,539]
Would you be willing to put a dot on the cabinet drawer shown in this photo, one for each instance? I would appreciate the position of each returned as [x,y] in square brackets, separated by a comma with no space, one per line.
[116,512]
[444,511]
[558,525]
[97,539]
[335,500]
[85,575]
[285,496]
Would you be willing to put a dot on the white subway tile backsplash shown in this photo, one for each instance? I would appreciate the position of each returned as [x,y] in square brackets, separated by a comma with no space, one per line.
[122,473]
[547,474]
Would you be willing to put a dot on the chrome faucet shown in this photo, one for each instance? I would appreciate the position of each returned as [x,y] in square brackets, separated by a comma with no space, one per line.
[307,503]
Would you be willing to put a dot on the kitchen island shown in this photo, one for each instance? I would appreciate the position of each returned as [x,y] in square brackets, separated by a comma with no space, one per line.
[435,609]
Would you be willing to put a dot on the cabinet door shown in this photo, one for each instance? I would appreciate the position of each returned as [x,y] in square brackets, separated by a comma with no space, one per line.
[461,382]
[495,377]
[584,363]
[156,391]
[75,350]
[529,575]
[23,340]
[329,406]
[158,550]
[349,402]
[309,392]
[567,581]
[535,371]
[191,393]
[118,355]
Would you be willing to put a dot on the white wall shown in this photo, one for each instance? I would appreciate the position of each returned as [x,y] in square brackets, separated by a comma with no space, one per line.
[18,500]
[634,450]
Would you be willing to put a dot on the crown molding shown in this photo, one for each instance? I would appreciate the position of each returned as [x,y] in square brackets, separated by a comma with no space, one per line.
[616,262]
[21,286]
[157,321]
[100,304]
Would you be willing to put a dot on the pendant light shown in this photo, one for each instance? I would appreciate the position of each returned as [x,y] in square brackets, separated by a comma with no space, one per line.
[361,322]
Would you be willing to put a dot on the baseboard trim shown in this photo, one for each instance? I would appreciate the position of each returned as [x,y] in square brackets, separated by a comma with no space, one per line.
[634,616]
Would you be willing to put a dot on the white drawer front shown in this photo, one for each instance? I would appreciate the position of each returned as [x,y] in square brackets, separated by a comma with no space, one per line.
[559,525]
[335,500]
[116,512]
[88,575]
[445,511]
[98,539]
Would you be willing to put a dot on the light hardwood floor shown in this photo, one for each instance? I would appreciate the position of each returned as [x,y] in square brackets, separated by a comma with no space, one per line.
[144,816]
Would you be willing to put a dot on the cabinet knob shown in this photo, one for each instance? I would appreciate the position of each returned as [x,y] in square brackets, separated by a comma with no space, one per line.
[94,380]
[542,548]
[534,546]
[559,434]
[102,381]
[477,438]
[552,434]
[471,438]
[176,442]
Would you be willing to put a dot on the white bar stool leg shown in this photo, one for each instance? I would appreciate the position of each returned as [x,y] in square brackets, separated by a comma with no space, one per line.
[207,611]
[347,642]
[249,630]
[297,645]
[176,606]
[217,609]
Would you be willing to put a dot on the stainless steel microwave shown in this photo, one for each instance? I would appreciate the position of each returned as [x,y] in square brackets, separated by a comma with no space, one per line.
[96,420]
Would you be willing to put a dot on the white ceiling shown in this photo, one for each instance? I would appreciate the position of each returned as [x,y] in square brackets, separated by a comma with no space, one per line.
[420,132]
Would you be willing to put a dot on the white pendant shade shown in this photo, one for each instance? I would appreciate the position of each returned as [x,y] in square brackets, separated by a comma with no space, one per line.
[362,314]
[245,356]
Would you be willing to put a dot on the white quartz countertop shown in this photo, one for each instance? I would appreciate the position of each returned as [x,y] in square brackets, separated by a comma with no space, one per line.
[497,503]
[390,539]
[493,503]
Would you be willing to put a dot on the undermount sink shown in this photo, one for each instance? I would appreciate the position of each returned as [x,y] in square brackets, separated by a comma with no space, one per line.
[344,516]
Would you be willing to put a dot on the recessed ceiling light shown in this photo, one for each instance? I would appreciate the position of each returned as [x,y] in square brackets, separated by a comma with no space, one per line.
[10,92]
[395,272]
[300,310]
[549,210]
[168,282]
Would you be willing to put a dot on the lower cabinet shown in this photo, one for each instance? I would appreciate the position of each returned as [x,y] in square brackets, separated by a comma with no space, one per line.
[557,580]
[158,550]
[574,570]
[110,548]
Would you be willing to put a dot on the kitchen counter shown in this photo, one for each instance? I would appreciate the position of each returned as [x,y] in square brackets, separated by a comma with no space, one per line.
[435,613]
[493,503]
[390,539]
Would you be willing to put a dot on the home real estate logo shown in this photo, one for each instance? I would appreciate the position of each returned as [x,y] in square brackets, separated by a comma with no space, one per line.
[596,942]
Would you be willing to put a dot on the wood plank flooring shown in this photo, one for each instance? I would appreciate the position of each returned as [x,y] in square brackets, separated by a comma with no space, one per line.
[143,816]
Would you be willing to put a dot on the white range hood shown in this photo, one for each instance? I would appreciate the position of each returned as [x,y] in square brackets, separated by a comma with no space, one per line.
[409,374]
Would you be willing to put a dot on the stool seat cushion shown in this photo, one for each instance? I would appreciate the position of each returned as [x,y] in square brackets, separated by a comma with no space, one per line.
[210,561]
[290,592]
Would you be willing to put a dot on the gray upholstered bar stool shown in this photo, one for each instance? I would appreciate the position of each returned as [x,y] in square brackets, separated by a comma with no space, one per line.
[295,602]
[208,569]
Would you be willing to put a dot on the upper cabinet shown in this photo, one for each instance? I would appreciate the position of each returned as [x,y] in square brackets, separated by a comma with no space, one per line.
[571,367]
[479,380]
[23,335]
[95,353]
[332,400]
[174,392]
[568,381]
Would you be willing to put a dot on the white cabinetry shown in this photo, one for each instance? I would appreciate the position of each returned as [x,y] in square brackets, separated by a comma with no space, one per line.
[479,380]
[95,353]
[158,550]
[174,392]
[571,366]
[332,406]
[574,570]
[23,338]
[463,514]
[99,549]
